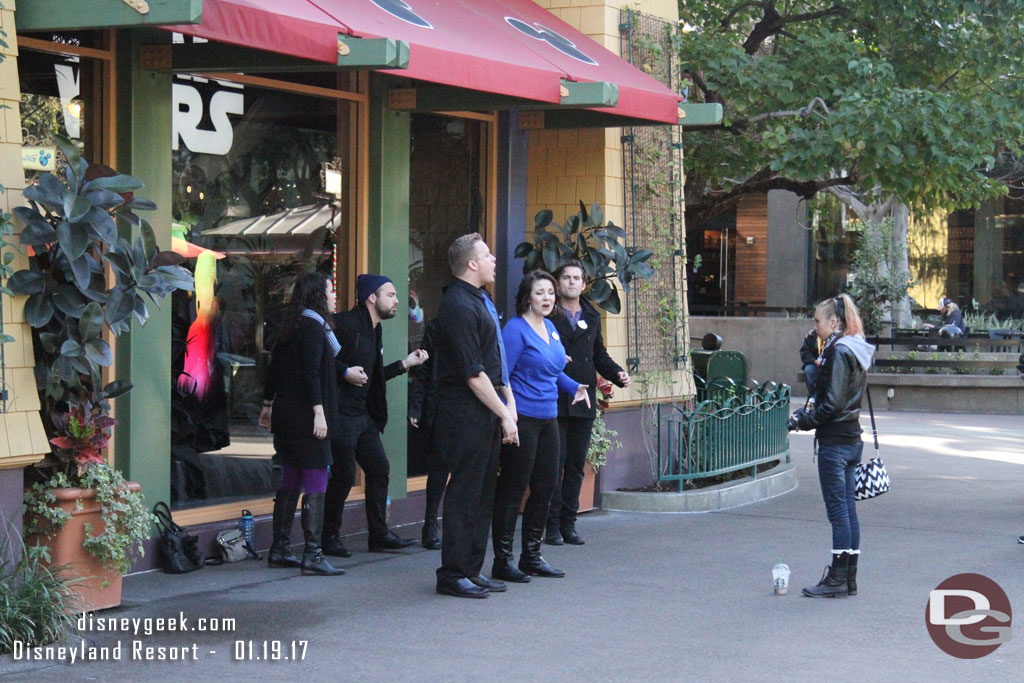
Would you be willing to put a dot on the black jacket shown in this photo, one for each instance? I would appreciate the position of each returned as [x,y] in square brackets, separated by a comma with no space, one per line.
[586,348]
[809,349]
[838,393]
[302,376]
[355,330]
[422,390]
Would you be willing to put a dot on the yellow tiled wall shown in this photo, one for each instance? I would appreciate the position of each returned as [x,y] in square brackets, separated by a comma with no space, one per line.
[566,166]
[22,439]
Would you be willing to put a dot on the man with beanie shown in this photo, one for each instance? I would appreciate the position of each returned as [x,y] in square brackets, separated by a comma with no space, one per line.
[363,413]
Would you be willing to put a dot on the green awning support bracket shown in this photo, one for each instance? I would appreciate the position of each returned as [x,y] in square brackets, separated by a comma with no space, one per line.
[372,53]
[592,94]
[213,57]
[59,15]
[700,114]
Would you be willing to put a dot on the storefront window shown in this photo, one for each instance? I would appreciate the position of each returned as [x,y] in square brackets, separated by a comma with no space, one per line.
[986,258]
[59,95]
[247,185]
[446,199]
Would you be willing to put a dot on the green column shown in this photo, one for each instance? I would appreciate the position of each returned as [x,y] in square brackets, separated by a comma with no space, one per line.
[389,255]
[144,355]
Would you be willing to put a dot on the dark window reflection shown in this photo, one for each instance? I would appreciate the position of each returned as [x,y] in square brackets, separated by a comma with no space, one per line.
[445,201]
[246,184]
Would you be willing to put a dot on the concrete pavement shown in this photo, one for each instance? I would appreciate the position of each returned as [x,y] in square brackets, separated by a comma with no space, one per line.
[650,597]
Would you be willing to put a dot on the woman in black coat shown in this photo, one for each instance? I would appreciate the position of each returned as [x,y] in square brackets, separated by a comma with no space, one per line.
[300,404]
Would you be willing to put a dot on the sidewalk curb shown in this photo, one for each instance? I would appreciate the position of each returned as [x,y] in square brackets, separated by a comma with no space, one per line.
[779,481]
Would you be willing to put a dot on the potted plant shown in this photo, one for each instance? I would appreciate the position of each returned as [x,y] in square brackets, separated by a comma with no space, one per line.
[602,441]
[586,238]
[86,279]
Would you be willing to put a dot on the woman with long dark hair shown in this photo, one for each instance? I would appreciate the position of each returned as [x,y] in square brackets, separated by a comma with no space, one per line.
[302,392]
[536,360]
[835,417]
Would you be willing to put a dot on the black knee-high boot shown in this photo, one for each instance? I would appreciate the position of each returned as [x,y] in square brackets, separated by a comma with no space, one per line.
[504,534]
[530,561]
[313,560]
[280,554]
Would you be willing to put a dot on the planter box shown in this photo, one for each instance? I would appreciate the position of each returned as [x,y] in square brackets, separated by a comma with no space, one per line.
[98,587]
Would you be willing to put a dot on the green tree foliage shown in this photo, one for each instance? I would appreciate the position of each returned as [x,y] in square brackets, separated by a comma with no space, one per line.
[884,103]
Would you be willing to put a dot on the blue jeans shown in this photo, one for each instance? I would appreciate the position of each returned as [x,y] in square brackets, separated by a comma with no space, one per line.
[810,377]
[837,466]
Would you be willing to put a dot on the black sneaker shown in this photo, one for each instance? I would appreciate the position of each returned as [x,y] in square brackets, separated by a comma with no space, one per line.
[1020,539]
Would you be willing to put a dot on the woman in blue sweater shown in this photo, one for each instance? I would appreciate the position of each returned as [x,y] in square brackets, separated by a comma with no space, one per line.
[536,359]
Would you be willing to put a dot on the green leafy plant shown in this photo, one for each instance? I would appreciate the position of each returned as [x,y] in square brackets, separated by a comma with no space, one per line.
[37,606]
[602,439]
[126,520]
[70,225]
[586,238]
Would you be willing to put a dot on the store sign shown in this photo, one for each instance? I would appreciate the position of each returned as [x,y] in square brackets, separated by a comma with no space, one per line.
[38,158]
[555,40]
[189,107]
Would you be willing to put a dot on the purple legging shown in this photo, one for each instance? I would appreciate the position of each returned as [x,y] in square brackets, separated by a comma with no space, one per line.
[300,479]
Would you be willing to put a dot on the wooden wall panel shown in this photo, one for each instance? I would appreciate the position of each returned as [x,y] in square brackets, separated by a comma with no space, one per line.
[751,259]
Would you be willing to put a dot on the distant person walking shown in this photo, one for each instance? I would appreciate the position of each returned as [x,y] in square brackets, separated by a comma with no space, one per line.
[472,420]
[579,325]
[300,406]
[536,359]
[835,417]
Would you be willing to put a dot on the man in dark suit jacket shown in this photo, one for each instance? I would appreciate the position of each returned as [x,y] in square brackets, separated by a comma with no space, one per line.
[363,414]
[579,325]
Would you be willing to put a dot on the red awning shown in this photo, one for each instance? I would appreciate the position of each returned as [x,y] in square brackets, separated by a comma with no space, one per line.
[292,27]
[512,47]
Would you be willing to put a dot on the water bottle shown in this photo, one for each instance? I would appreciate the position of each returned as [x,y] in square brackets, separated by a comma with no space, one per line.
[247,526]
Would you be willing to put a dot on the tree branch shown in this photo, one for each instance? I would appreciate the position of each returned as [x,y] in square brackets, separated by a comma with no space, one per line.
[773,23]
[805,111]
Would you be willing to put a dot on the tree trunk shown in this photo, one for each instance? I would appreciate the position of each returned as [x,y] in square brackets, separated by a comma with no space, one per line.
[899,261]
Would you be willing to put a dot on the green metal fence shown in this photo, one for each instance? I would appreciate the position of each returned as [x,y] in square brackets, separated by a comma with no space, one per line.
[737,427]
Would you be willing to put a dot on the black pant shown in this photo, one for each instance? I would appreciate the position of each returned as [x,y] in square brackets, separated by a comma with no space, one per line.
[437,477]
[574,433]
[468,437]
[533,462]
[358,442]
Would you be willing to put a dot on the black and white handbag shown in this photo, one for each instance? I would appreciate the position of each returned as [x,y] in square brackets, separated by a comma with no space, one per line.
[872,477]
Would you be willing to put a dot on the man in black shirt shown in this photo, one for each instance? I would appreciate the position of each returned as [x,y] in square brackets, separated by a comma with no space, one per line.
[471,420]
[363,410]
[579,325]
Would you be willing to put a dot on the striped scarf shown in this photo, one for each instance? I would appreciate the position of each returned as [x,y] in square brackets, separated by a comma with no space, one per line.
[332,341]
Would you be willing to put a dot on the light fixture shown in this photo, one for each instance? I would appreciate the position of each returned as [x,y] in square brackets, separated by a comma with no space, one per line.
[75,109]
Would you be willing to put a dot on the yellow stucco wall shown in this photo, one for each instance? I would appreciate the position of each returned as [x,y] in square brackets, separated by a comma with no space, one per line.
[927,247]
[565,166]
[22,438]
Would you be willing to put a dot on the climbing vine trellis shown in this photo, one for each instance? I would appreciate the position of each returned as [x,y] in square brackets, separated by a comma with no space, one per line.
[652,158]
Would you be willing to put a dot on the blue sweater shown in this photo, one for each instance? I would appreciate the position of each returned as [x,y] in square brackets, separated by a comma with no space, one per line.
[535,369]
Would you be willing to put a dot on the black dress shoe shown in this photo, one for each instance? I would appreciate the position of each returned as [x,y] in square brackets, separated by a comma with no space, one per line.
[538,566]
[553,537]
[391,541]
[506,571]
[462,588]
[490,584]
[333,546]
[430,539]
[571,537]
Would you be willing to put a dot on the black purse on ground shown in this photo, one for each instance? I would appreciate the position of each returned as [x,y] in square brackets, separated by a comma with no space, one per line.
[178,548]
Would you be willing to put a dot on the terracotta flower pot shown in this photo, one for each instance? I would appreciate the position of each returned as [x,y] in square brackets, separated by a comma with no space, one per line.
[587,489]
[100,587]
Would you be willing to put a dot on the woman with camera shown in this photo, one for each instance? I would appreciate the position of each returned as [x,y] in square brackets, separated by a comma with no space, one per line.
[835,417]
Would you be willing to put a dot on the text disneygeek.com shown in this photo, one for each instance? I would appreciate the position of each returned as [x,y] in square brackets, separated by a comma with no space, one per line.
[139,648]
